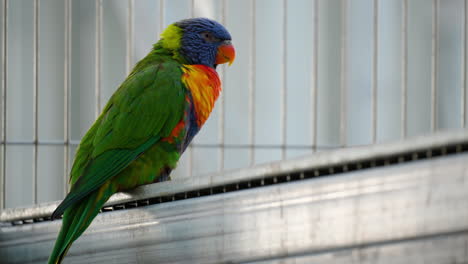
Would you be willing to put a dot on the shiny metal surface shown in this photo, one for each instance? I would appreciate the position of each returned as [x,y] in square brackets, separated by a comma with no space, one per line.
[433,250]
[317,160]
[406,213]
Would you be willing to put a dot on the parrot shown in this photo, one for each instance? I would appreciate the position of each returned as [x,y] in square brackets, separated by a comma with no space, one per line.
[147,123]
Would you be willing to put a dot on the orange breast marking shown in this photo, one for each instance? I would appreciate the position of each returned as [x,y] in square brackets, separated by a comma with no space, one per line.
[205,86]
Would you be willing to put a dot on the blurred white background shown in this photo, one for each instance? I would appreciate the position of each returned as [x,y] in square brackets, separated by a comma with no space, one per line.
[309,76]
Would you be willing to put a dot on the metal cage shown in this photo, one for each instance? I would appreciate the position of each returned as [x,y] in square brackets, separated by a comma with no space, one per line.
[328,129]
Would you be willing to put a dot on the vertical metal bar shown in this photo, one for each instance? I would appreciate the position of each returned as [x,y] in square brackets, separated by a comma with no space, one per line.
[404,68]
[97,58]
[35,95]
[434,61]
[66,92]
[375,53]
[161,16]
[4,101]
[284,76]
[252,85]
[221,103]
[343,72]
[192,8]
[129,36]
[314,80]
[464,65]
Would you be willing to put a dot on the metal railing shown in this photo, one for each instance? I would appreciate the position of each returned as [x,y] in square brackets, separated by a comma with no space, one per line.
[342,202]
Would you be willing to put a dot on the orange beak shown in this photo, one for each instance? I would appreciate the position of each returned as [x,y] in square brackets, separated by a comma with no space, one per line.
[226,53]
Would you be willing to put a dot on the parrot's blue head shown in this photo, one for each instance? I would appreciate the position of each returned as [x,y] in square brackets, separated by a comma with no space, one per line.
[200,41]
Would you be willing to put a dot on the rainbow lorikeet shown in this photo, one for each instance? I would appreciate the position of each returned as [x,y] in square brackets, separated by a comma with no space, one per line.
[147,123]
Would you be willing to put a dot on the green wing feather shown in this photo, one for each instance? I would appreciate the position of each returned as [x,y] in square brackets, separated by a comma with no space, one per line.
[145,108]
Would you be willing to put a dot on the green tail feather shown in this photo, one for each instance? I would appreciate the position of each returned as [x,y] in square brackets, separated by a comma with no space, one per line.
[75,221]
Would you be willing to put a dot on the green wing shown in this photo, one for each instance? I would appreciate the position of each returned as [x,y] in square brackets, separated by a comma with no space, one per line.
[145,108]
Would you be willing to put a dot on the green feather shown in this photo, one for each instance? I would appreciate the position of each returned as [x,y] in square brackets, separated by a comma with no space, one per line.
[123,148]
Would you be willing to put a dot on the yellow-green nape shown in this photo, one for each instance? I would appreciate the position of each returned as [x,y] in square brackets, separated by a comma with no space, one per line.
[171,37]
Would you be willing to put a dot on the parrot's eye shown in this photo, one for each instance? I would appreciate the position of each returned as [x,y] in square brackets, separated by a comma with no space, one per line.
[208,37]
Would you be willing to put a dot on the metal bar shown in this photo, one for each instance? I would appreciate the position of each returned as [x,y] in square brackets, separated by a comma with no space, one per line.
[464,65]
[314,81]
[4,101]
[39,142]
[404,68]
[35,96]
[434,61]
[97,58]
[129,36]
[313,219]
[284,78]
[221,102]
[319,160]
[265,146]
[161,16]
[343,72]
[253,60]
[192,8]
[66,92]
[32,143]
[374,85]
